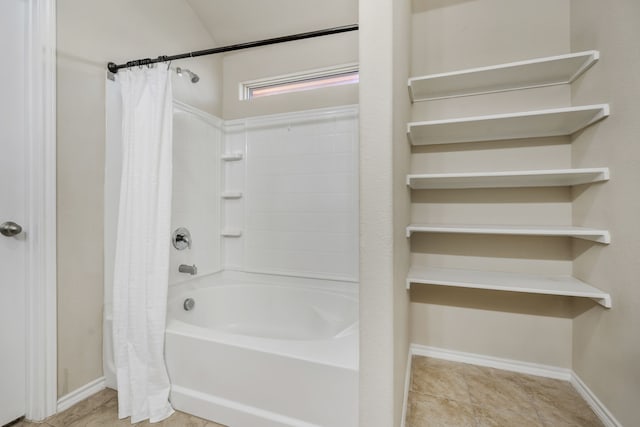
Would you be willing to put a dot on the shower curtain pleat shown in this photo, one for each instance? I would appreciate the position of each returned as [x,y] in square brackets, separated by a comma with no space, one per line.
[141,270]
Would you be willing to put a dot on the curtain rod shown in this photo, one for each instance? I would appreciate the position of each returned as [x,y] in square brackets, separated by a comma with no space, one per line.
[113,67]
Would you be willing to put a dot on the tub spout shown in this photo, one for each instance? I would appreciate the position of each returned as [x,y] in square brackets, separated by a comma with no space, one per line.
[191,269]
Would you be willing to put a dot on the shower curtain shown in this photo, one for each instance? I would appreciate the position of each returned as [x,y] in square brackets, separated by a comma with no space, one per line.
[141,270]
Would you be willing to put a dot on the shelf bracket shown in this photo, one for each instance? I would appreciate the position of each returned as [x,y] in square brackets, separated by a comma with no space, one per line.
[605,301]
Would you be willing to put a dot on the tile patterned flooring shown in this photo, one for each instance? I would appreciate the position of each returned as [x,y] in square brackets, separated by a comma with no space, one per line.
[444,393]
[101,410]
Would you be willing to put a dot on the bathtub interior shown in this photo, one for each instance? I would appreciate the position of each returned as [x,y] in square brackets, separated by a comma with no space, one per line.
[265,306]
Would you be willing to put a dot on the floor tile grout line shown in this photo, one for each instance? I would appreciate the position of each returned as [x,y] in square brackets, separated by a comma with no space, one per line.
[533,391]
[535,406]
[52,421]
[492,373]
[468,388]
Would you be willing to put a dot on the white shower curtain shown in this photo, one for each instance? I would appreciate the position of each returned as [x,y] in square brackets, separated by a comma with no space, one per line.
[142,244]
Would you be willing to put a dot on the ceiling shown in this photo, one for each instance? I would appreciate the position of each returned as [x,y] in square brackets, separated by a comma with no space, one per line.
[239,21]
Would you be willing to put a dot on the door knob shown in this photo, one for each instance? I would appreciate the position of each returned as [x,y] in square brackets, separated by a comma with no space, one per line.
[10,228]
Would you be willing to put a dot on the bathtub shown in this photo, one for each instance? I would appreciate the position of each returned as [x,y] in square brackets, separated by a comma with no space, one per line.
[264,351]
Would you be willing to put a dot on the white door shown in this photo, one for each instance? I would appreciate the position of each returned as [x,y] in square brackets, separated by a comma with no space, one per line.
[12,208]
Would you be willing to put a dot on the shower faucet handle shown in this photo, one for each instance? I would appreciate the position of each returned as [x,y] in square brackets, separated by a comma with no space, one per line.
[181,239]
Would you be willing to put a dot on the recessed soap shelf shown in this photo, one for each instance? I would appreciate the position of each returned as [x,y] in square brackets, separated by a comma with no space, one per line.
[232,195]
[232,157]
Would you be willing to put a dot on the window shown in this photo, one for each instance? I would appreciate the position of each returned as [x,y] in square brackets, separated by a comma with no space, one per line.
[327,77]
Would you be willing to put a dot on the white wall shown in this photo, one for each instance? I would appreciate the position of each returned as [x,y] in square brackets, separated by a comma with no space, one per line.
[299,208]
[384,60]
[196,204]
[449,36]
[401,196]
[606,345]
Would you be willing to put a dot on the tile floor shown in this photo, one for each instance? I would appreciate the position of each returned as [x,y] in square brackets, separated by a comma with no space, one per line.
[444,393]
[101,410]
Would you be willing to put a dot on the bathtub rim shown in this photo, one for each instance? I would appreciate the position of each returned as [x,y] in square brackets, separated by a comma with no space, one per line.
[225,277]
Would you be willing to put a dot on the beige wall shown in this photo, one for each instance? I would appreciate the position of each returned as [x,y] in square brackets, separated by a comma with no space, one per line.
[288,58]
[384,202]
[376,215]
[401,196]
[89,35]
[606,343]
[451,35]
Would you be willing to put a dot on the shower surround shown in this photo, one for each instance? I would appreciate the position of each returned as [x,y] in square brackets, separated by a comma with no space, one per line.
[272,205]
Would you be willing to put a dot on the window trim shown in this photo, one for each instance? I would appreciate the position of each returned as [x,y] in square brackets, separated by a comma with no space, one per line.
[246,88]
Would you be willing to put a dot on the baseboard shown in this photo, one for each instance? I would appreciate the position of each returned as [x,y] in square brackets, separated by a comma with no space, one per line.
[79,394]
[407,384]
[536,369]
[529,368]
[598,407]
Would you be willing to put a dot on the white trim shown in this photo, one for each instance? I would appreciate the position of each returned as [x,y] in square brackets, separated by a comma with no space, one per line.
[529,368]
[209,118]
[80,394]
[41,364]
[407,385]
[351,110]
[246,87]
[598,407]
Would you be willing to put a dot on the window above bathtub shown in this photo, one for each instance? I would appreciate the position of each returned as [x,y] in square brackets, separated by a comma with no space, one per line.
[307,80]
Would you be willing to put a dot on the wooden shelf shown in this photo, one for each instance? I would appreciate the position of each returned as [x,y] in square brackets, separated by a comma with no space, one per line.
[534,178]
[539,72]
[528,124]
[601,236]
[512,282]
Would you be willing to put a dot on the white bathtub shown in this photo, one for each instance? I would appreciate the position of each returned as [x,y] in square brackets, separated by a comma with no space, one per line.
[264,351]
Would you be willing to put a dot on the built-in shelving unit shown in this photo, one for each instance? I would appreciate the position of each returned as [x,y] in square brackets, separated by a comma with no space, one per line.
[539,72]
[229,229]
[528,124]
[600,236]
[512,282]
[509,179]
[548,71]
